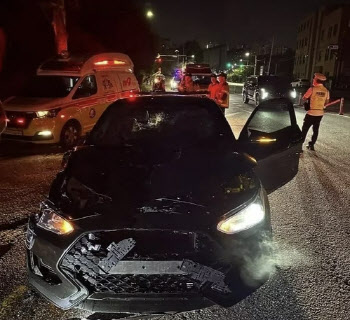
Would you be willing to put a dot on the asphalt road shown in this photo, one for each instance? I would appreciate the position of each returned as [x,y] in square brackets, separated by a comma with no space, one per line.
[310,218]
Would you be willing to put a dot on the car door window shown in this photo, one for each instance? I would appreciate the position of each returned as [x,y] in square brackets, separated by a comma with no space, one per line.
[87,87]
[270,118]
[270,128]
[272,136]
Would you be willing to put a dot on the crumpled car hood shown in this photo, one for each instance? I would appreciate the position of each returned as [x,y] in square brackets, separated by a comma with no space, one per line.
[124,187]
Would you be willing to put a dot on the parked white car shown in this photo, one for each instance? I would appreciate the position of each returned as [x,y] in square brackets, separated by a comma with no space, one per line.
[300,83]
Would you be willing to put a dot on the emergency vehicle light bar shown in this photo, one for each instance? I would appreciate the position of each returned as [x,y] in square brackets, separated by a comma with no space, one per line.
[109,62]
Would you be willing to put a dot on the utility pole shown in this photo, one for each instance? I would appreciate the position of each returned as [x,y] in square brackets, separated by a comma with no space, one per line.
[54,10]
[268,69]
[59,26]
[255,64]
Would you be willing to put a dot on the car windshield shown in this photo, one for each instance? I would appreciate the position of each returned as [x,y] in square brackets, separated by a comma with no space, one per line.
[170,122]
[204,80]
[273,81]
[49,86]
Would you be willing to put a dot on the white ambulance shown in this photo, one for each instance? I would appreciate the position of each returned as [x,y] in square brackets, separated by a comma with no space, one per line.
[67,96]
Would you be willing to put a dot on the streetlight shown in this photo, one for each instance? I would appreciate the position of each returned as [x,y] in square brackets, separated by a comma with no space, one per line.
[193,56]
[177,53]
[149,14]
[247,54]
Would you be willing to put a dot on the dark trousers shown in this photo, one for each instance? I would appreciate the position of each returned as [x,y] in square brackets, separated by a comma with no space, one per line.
[313,121]
[223,110]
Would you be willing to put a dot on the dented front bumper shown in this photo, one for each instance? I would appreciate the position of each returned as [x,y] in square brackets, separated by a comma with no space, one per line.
[134,270]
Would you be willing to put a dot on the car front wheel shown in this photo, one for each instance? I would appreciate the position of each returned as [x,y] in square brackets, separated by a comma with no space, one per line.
[257,99]
[70,135]
[245,98]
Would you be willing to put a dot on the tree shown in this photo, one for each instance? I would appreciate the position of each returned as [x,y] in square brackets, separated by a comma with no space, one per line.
[240,74]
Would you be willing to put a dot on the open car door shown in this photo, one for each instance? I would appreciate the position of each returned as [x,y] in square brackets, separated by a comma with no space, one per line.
[273,137]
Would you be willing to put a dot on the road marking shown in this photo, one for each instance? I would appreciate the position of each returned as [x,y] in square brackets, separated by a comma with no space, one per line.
[234,113]
[338,115]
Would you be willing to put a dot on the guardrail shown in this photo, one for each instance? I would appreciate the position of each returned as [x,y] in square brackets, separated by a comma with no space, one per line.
[237,87]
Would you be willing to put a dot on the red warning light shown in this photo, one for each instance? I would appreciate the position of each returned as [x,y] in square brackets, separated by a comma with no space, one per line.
[109,62]
[20,120]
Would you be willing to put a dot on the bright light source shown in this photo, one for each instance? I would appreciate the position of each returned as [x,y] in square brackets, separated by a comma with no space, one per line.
[109,62]
[193,56]
[45,133]
[101,63]
[248,217]
[293,94]
[50,221]
[229,65]
[42,114]
[266,140]
[247,54]
[241,60]
[264,93]
[20,120]
[120,62]
[149,14]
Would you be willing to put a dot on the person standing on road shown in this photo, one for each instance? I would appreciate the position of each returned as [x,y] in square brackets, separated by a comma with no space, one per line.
[213,86]
[222,93]
[319,97]
[187,84]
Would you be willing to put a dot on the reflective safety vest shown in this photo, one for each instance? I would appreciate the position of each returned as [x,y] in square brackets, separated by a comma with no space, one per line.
[213,87]
[318,99]
[222,95]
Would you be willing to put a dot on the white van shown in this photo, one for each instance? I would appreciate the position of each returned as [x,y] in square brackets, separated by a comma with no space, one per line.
[67,96]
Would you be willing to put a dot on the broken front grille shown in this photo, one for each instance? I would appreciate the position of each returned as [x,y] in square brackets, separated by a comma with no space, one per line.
[130,261]
[155,283]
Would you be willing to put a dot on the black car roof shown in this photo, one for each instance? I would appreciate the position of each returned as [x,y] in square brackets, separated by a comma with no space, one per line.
[170,98]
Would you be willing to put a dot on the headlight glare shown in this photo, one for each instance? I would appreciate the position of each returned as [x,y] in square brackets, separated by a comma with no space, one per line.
[42,114]
[246,218]
[293,94]
[48,113]
[264,93]
[51,221]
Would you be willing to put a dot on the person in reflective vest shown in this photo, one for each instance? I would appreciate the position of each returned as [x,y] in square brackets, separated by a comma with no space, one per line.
[222,93]
[213,87]
[319,97]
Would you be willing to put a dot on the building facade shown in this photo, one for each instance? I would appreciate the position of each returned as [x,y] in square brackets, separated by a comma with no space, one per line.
[323,45]
[216,57]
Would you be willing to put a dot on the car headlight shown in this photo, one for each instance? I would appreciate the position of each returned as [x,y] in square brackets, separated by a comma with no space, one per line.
[264,93]
[48,113]
[245,218]
[51,221]
[293,94]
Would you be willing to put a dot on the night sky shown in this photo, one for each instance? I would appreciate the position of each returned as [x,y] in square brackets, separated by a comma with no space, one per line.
[243,21]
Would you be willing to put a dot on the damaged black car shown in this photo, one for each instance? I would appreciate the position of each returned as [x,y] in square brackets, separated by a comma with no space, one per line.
[163,209]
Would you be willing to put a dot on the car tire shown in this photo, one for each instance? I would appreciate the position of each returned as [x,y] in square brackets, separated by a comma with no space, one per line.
[257,99]
[245,98]
[70,134]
